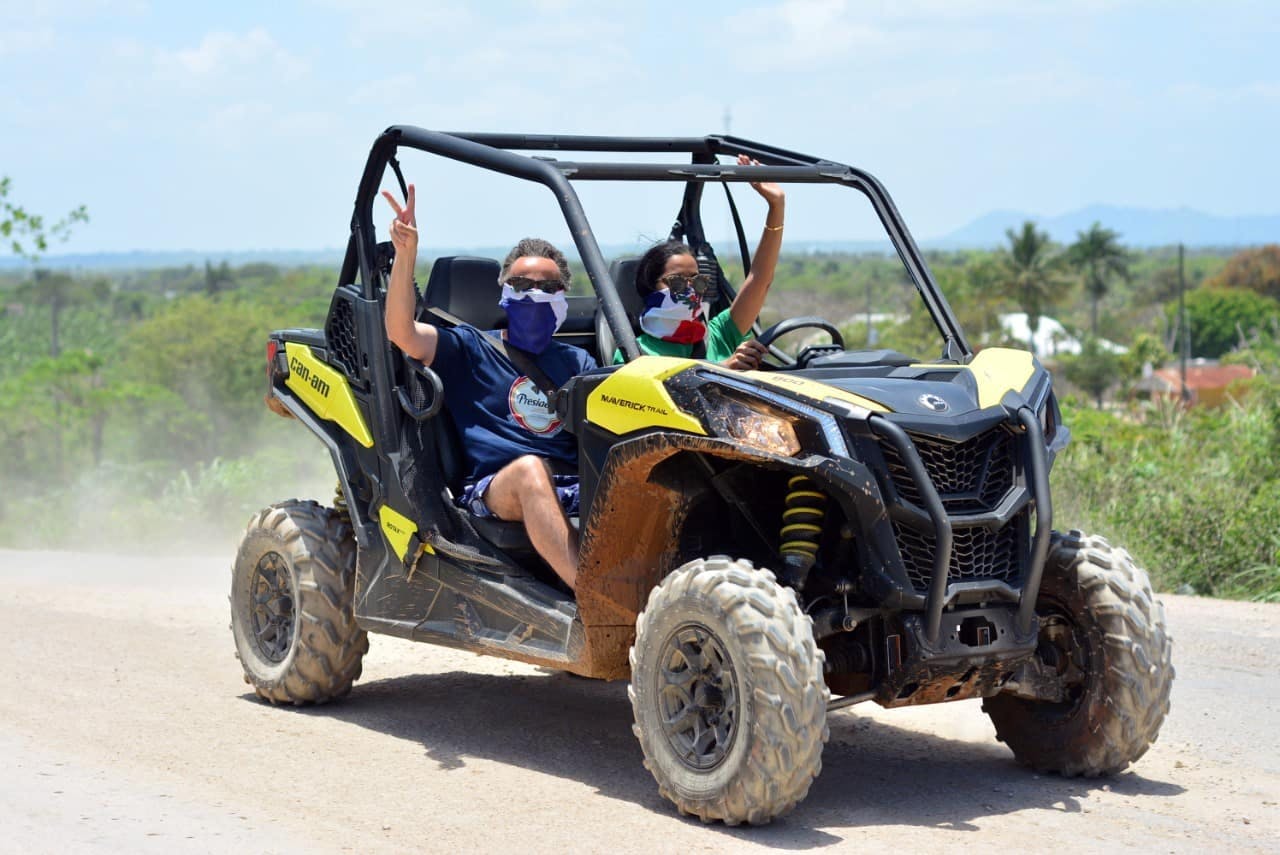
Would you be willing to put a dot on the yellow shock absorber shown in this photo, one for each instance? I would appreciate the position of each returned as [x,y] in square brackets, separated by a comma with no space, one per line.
[802,521]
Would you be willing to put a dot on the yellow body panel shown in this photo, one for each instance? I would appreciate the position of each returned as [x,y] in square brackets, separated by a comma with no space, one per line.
[325,391]
[633,398]
[398,529]
[812,389]
[996,370]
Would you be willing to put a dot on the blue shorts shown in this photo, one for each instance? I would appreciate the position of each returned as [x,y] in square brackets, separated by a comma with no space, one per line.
[472,497]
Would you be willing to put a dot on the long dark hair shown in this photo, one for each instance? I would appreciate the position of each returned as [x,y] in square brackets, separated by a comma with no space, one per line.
[654,261]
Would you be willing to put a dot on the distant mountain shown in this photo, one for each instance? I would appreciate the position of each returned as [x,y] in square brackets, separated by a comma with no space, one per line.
[1137,227]
[140,259]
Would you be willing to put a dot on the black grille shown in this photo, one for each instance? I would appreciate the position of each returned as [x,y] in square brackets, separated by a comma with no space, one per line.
[976,553]
[340,335]
[970,476]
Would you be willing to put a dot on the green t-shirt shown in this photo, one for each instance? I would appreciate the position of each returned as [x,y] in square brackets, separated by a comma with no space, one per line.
[723,338]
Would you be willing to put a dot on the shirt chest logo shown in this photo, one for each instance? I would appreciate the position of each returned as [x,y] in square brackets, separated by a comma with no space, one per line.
[531,409]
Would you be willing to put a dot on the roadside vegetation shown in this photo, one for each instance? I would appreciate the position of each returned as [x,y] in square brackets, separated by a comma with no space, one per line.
[1193,494]
[132,400]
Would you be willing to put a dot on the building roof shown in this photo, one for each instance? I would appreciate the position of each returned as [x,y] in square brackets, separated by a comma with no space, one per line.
[1204,375]
[1052,338]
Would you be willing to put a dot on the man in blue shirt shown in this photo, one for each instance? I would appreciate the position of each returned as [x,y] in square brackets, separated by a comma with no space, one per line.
[511,435]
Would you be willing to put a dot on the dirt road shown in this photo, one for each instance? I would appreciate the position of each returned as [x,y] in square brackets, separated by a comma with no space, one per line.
[125,726]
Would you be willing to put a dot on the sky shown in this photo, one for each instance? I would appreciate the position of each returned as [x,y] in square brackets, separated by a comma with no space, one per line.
[242,126]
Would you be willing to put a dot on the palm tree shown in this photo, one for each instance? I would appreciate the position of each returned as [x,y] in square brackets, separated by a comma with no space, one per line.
[1098,257]
[1031,273]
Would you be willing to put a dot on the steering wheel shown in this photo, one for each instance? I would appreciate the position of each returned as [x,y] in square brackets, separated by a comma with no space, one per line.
[775,332]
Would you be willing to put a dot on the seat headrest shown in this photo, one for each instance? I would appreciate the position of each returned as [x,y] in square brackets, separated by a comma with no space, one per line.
[467,286]
[623,273]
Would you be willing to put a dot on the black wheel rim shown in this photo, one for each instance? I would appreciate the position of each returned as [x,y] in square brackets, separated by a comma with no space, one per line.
[271,593]
[697,697]
[1063,647]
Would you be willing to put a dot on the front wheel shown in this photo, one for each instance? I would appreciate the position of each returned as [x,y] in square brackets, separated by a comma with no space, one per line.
[727,691]
[292,588]
[1103,651]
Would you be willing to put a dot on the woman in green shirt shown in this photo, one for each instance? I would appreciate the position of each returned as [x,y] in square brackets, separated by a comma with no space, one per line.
[674,320]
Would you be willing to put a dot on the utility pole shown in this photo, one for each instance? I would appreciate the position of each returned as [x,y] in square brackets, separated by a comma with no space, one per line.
[1185,349]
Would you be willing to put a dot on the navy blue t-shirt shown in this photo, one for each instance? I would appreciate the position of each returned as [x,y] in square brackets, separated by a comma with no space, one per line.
[499,413]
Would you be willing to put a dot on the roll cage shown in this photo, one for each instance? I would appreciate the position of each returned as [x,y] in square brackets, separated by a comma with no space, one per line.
[500,153]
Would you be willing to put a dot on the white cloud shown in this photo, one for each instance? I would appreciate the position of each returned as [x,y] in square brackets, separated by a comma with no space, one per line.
[421,24]
[221,56]
[934,10]
[482,76]
[20,42]
[804,33]
[1020,89]
[386,92]
[260,124]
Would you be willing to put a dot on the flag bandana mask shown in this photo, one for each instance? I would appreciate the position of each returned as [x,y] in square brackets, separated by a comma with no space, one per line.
[533,317]
[677,319]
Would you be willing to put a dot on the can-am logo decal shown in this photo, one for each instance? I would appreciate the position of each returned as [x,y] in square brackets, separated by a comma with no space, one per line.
[531,409]
[933,402]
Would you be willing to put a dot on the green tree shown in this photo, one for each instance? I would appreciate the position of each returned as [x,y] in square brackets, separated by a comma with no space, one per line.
[1094,369]
[1256,270]
[1031,273]
[1261,350]
[209,352]
[217,279]
[28,236]
[60,291]
[1220,318]
[1098,257]
[67,394]
[1146,349]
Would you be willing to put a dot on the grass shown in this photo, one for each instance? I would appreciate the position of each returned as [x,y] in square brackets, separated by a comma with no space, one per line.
[1193,495]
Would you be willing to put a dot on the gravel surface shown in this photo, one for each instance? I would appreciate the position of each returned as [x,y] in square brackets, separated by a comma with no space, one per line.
[125,726]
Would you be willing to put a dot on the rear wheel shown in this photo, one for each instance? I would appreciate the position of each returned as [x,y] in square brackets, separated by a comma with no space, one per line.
[727,692]
[292,587]
[1103,646]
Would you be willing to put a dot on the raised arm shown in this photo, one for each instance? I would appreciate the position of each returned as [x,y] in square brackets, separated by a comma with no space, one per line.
[414,338]
[750,300]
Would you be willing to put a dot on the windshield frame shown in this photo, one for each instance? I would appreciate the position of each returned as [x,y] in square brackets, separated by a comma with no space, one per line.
[500,153]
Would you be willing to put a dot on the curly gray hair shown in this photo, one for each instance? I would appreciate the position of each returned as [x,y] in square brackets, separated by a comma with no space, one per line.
[538,248]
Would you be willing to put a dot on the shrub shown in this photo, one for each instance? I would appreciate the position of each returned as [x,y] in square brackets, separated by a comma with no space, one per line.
[1194,495]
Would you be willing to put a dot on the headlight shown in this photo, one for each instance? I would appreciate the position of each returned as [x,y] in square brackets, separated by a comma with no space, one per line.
[753,424]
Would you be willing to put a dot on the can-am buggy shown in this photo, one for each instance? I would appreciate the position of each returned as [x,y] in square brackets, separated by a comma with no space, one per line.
[757,548]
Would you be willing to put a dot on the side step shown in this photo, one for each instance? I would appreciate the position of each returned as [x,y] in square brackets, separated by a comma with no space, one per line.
[510,616]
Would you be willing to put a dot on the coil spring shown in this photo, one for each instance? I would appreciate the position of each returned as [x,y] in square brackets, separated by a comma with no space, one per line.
[806,510]
[340,500]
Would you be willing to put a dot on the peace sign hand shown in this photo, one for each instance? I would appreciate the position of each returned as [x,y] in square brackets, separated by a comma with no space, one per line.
[404,228]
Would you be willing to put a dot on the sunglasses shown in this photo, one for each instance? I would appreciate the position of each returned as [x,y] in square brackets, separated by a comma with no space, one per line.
[699,283]
[519,284]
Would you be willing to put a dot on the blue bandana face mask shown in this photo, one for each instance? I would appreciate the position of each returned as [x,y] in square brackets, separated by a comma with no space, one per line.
[533,317]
